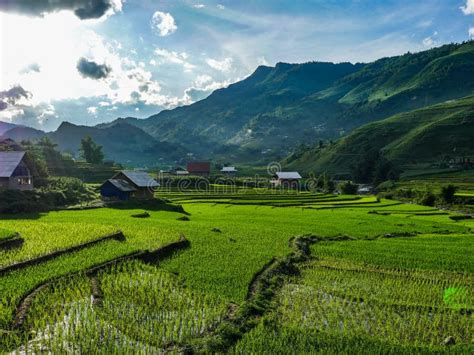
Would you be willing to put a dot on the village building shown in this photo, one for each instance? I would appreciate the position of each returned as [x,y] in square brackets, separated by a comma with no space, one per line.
[199,168]
[129,185]
[16,171]
[288,180]
[229,170]
[181,173]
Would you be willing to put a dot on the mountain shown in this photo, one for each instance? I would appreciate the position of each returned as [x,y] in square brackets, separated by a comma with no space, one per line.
[428,135]
[20,133]
[5,126]
[268,114]
[122,142]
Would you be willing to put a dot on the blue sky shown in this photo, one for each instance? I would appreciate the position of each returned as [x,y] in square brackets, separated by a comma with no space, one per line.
[140,57]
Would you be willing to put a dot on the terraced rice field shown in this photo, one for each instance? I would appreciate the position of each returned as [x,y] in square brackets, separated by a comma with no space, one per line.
[195,298]
[404,295]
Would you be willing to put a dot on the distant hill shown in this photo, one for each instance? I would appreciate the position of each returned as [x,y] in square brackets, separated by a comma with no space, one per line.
[5,126]
[20,133]
[122,142]
[428,135]
[275,109]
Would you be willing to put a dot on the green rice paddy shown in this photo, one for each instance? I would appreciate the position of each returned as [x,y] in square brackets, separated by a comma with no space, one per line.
[410,265]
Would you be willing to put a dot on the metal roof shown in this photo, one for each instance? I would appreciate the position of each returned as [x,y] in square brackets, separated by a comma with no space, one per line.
[140,178]
[199,167]
[9,162]
[122,185]
[228,169]
[288,175]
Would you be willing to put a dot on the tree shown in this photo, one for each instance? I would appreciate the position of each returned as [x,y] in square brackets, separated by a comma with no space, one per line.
[448,192]
[328,184]
[348,188]
[90,151]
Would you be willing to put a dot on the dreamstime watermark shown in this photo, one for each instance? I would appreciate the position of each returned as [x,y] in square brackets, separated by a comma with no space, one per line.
[269,183]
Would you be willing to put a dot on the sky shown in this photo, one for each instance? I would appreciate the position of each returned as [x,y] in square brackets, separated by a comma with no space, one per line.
[92,61]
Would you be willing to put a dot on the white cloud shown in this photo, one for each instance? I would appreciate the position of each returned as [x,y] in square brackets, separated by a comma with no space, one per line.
[223,65]
[469,8]
[166,56]
[92,110]
[199,6]
[163,23]
[202,80]
[431,41]
[202,87]
[220,6]
[471,32]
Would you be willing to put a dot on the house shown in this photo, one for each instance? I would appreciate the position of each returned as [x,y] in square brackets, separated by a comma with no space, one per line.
[290,179]
[229,170]
[16,171]
[199,168]
[181,172]
[127,185]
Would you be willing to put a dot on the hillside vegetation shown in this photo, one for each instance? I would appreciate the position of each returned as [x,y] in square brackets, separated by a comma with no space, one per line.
[269,114]
[276,109]
[433,134]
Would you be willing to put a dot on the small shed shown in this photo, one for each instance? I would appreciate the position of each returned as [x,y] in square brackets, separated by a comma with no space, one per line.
[116,188]
[287,179]
[229,170]
[16,171]
[129,184]
[199,168]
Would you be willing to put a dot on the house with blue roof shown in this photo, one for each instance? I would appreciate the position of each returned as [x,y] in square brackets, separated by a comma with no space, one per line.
[129,185]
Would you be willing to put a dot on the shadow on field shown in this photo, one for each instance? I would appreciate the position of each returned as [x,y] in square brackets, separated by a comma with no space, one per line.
[18,216]
[149,205]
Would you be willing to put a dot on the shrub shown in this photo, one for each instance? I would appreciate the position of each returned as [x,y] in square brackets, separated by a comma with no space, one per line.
[448,192]
[348,188]
[427,199]
[56,192]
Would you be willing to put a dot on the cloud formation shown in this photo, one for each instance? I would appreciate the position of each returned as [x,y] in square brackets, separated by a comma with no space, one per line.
[166,56]
[83,9]
[431,41]
[31,68]
[163,23]
[92,70]
[11,96]
[469,8]
[222,65]
[471,32]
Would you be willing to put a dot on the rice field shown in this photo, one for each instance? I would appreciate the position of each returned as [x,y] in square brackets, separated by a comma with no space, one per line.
[398,261]
[400,300]
[5,234]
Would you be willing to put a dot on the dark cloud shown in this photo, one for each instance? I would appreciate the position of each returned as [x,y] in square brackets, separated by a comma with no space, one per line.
[90,69]
[84,9]
[33,67]
[11,96]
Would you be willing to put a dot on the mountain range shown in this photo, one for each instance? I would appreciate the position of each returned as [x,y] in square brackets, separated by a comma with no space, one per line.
[275,110]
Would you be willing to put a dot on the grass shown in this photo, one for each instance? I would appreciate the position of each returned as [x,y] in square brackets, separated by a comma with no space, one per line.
[5,234]
[215,271]
[374,296]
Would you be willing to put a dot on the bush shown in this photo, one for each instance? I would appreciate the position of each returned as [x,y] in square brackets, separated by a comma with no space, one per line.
[56,192]
[348,188]
[448,192]
[427,199]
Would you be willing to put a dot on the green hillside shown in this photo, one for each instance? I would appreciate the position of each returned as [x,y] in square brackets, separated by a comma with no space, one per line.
[434,134]
[278,108]
[123,143]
